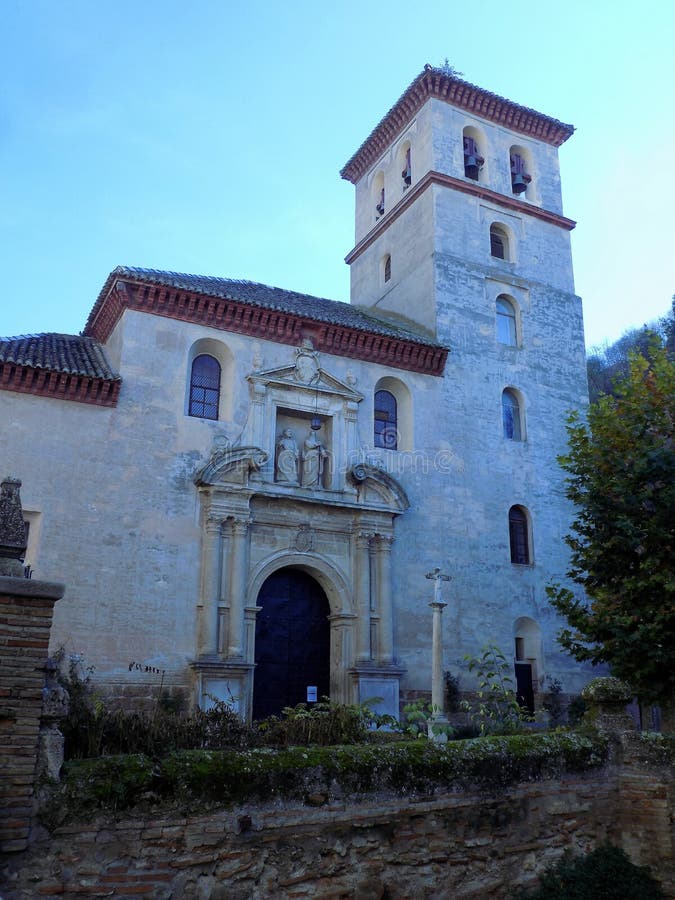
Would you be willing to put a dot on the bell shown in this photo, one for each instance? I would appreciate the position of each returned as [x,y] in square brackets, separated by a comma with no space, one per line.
[518,183]
[471,167]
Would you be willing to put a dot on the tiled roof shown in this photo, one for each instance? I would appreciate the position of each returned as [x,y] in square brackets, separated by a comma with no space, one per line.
[69,353]
[317,309]
[444,84]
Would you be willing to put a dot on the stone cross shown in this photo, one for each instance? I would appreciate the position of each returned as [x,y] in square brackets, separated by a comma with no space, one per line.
[437,693]
[437,577]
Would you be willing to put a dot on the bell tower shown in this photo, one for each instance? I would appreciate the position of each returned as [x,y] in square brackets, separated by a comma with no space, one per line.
[455,187]
[460,235]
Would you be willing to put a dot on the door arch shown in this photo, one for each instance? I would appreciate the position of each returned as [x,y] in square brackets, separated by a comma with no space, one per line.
[292,642]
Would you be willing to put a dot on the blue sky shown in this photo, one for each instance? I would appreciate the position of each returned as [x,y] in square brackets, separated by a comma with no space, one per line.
[207,137]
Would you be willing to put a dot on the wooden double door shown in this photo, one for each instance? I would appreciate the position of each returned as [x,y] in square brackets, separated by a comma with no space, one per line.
[292,643]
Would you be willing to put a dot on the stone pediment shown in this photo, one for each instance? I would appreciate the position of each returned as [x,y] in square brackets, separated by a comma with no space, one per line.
[374,486]
[230,465]
[305,375]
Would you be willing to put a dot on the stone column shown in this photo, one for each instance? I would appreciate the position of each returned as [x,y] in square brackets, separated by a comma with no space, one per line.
[238,579]
[362,591]
[384,601]
[210,587]
[437,692]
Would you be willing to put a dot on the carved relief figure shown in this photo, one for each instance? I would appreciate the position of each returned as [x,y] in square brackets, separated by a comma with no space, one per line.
[287,458]
[313,456]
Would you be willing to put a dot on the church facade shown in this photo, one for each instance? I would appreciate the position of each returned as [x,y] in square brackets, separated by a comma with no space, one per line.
[244,487]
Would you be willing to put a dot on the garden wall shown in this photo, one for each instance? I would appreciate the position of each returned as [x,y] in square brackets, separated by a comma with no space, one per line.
[461,844]
[458,845]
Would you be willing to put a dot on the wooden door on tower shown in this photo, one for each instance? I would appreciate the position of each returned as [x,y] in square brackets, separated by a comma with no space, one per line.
[292,643]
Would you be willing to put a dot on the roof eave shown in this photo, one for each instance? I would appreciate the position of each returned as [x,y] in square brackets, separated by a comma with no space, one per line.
[443,85]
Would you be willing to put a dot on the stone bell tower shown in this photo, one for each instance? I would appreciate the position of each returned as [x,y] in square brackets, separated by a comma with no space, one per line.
[454,187]
[460,234]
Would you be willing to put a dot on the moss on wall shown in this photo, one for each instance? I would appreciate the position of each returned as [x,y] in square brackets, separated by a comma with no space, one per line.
[316,775]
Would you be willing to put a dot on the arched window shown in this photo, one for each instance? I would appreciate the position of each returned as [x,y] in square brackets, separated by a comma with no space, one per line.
[386,421]
[521,175]
[511,416]
[473,158]
[387,267]
[507,332]
[406,173]
[499,243]
[378,194]
[518,536]
[204,387]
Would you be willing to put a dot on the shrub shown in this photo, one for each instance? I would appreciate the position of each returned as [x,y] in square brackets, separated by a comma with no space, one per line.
[576,710]
[419,718]
[553,702]
[322,724]
[496,710]
[604,874]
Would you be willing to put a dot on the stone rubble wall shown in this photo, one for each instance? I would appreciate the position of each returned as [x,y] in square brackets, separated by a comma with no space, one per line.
[26,608]
[459,845]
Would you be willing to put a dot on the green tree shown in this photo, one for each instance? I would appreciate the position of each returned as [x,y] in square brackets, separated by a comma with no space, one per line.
[621,478]
[605,363]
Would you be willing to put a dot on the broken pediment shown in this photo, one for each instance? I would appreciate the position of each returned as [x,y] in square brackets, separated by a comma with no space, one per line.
[305,374]
[230,465]
[374,486]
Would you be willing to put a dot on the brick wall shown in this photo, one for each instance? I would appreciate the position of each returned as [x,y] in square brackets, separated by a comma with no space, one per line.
[25,621]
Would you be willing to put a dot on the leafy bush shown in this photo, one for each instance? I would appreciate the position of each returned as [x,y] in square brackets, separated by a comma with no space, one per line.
[322,724]
[91,728]
[576,710]
[553,702]
[419,718]
[604,874]
[452,693]
[195,778]
[496,710]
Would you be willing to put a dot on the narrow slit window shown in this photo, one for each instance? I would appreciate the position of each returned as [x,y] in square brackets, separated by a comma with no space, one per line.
[518,536]
[506,322]
[387,268]
[406,174]
[511,416]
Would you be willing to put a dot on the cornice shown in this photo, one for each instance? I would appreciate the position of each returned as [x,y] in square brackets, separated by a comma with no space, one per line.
[59,385]
[444,85]
[263,323]
[465,187]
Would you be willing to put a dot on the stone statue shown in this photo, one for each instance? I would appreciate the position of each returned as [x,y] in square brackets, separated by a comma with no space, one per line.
[286,469]
[313,456]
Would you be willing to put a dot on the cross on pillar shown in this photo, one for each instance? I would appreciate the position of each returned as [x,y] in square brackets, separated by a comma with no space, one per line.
[437,692]
[437,577]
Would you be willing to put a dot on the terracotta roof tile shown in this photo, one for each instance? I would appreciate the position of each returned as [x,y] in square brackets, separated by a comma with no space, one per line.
[318,309]
[70,353]
[444,84]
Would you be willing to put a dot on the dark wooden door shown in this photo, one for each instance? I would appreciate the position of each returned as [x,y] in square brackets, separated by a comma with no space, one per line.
[292,642]
[524,686]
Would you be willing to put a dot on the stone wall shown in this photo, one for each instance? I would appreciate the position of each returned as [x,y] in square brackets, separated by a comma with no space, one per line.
[461,845]
[25,620]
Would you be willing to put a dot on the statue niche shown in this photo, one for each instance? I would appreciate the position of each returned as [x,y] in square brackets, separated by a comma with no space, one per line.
[287,458]
[307,467]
